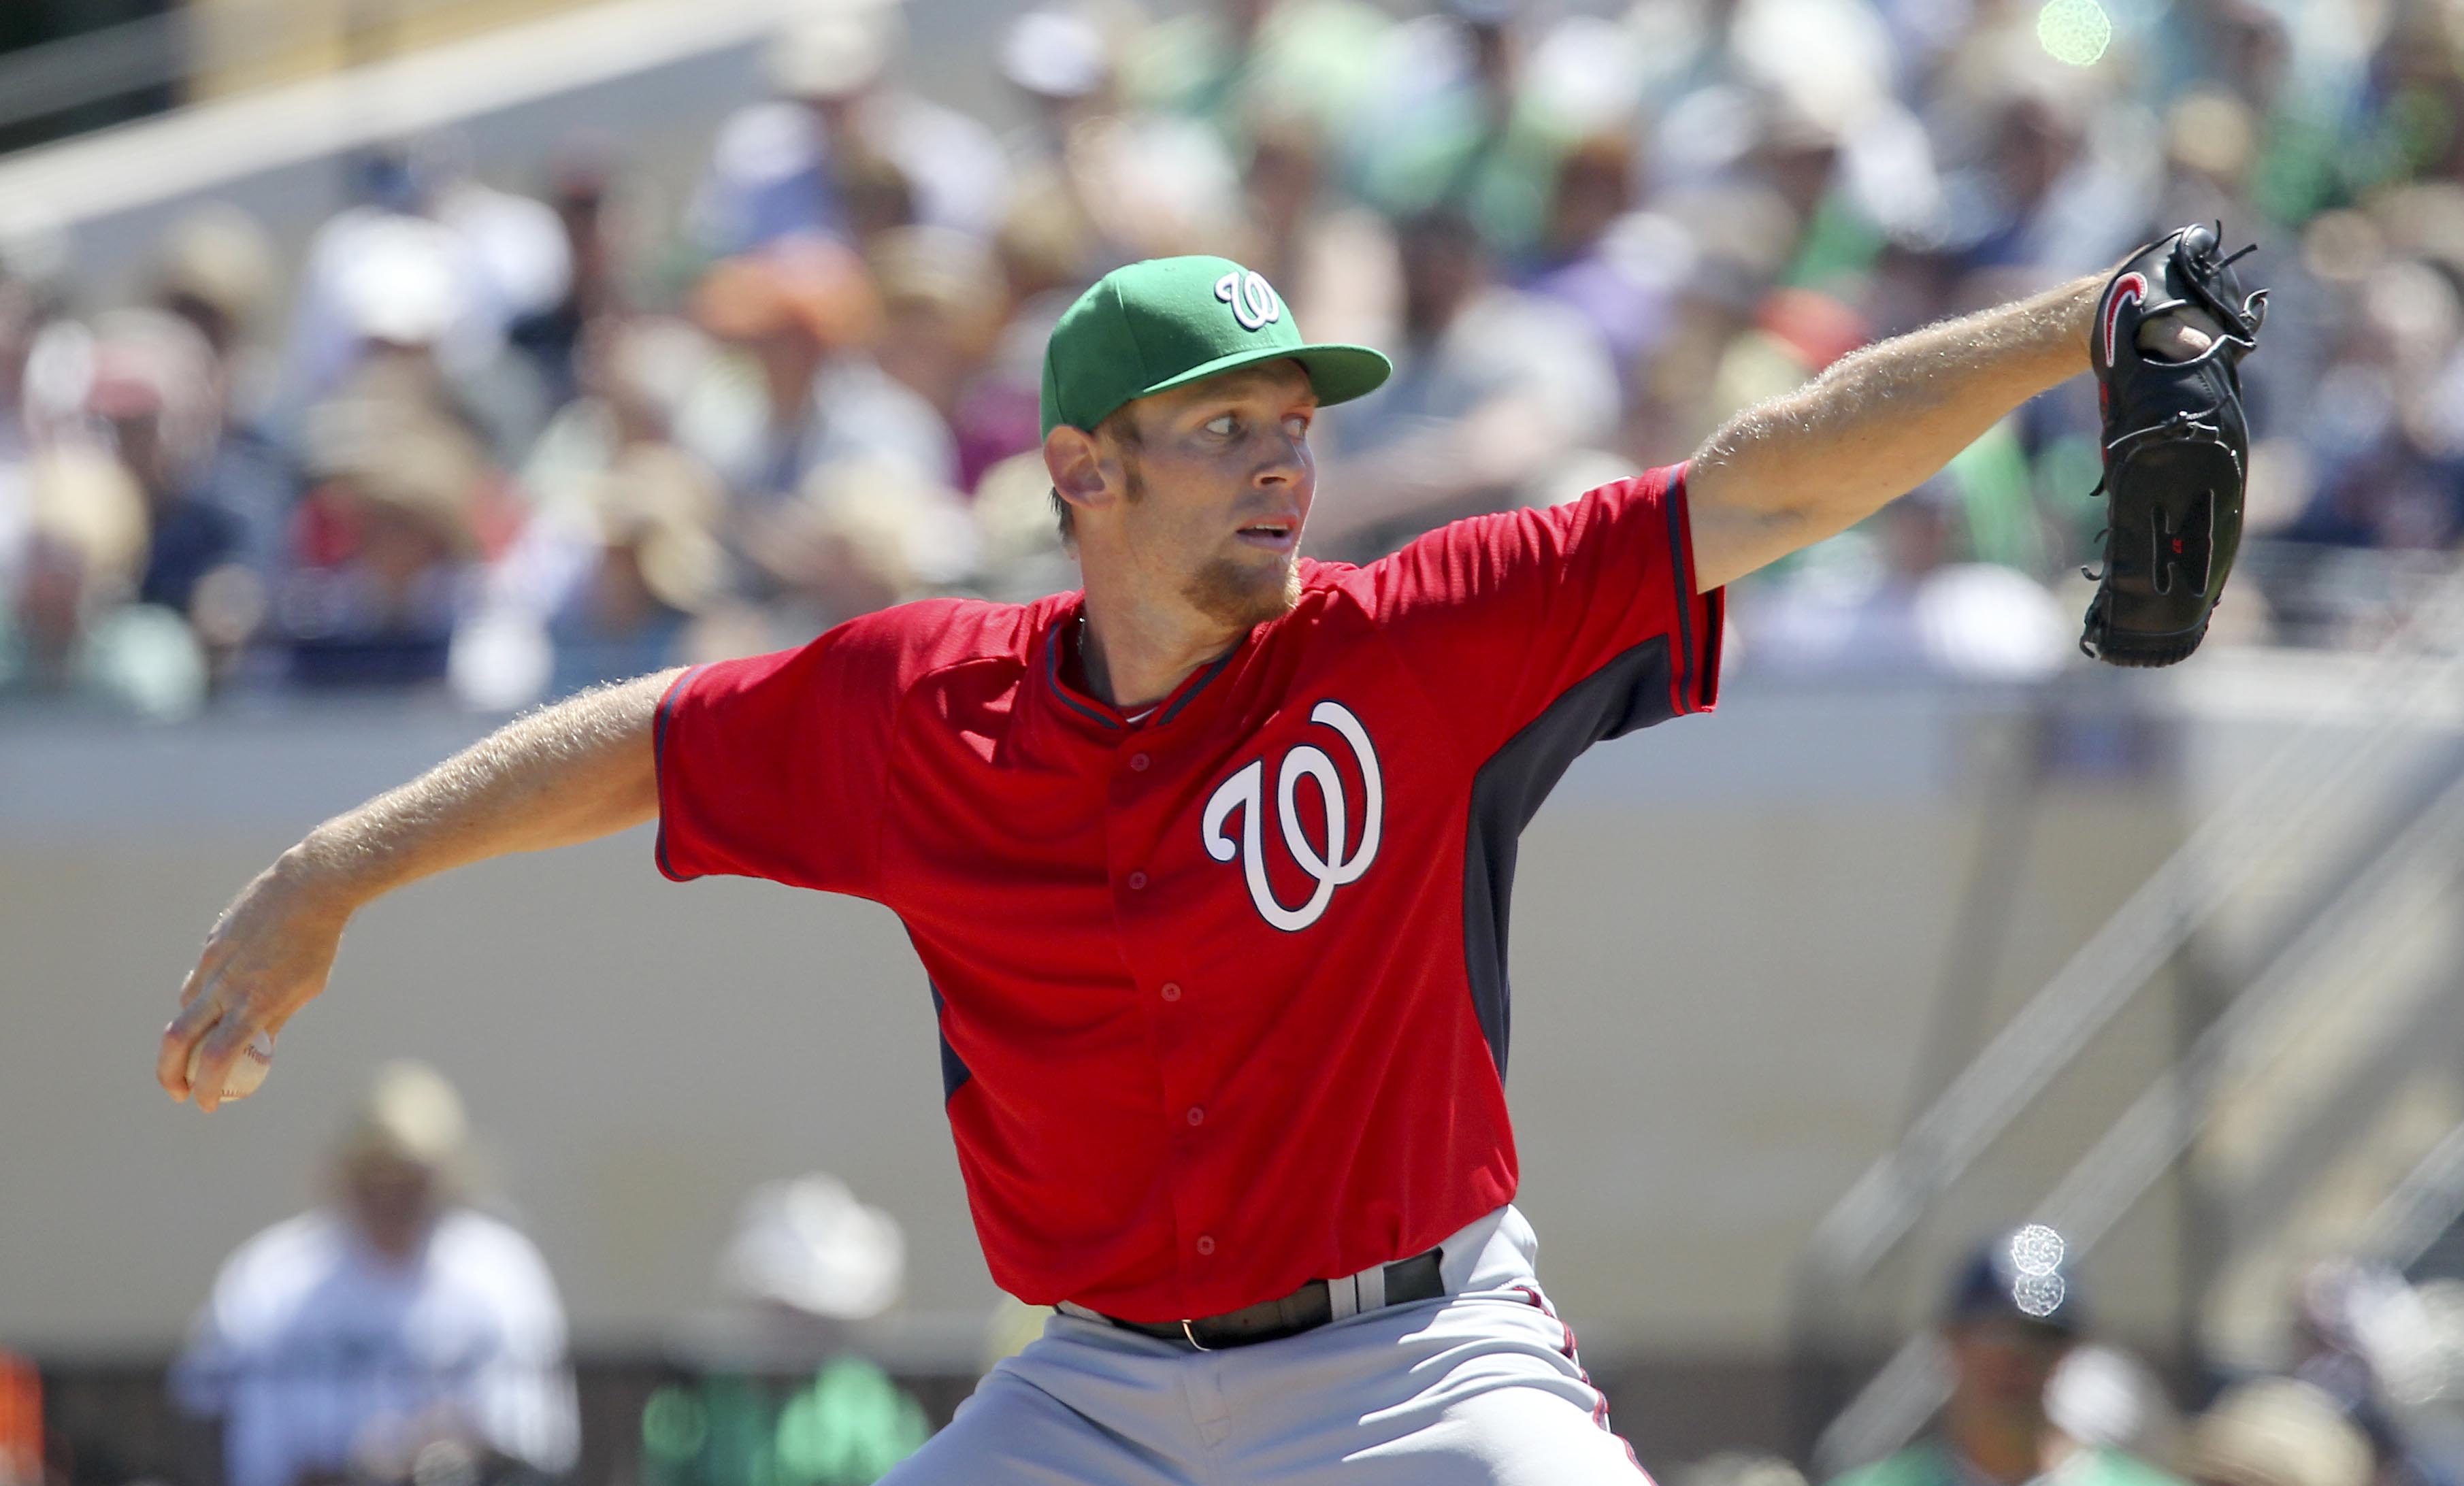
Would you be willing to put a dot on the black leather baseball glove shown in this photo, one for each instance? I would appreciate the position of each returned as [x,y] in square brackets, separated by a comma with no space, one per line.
[2176,450]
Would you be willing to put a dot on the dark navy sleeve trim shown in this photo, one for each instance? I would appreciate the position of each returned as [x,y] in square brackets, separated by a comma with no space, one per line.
[1697,680]
[659,772]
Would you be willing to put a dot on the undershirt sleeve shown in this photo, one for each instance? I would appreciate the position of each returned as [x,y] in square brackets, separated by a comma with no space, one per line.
[1499,616]
[776,766]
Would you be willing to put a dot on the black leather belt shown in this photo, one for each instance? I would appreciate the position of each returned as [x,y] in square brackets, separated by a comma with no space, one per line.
[1306,1309]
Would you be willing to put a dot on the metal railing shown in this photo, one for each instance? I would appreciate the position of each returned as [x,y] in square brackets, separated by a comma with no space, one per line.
[2423,1208]
[2142,1145]
[2287,798]
[2296,793]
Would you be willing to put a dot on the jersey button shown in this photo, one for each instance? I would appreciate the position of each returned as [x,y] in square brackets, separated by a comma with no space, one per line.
[1172,990]
[1138,762]
[1205,1243]
[1137,881]
[1196,1116]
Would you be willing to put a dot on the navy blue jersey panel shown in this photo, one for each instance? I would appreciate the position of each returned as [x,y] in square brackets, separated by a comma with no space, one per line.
[954,1072]
[1630,693]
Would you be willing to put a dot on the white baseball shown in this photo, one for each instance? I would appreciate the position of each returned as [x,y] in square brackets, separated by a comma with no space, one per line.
[245,1076]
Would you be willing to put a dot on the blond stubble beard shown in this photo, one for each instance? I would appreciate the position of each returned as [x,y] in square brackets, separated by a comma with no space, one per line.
[1226,591]
[1239,597]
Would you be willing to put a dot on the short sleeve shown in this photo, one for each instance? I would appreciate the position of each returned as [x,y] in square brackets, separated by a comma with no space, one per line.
[776,766]
[1589,606]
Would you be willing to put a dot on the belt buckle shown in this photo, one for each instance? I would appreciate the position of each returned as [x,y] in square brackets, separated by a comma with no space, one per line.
[1193,1338]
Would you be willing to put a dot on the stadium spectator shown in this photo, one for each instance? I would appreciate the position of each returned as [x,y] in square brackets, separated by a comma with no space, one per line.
[2367,1346]
[860,534]
[80,552]
[2276,1432]
[1903,603]
[396,1333]
[842,151]
[385,548]
[1697,207]
[580,180]
[2011,1318]
[217,270]
[214,502]
[1232,62]
[1619,269]
[798,388]
[1333,260]
[1459,126]
[787,1394]
[434,263]
[1493,389]
[1129,180]
[941,302]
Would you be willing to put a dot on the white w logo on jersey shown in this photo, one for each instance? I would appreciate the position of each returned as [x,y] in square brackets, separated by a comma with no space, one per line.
[1245,792]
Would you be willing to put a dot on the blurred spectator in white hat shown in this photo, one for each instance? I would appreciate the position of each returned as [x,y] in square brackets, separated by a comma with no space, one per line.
[1019,557]
[1139,181]
[387,550]
[396,1325]
[434,265]
[216,268]
[807,1245]
[785,1393]
[80,551]
[657,566]
[2276,1432]
[842,150]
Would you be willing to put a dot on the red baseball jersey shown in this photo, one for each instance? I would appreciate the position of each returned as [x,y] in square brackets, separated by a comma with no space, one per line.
[1221,987]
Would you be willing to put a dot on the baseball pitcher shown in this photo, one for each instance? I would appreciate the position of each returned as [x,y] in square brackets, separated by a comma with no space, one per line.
[1209,866]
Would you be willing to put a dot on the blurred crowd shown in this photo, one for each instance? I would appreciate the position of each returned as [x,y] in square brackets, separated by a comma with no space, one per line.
[398,1334]
[2368,1391]
[501,444]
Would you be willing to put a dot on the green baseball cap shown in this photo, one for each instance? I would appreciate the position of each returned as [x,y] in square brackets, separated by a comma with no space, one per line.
[1165,322]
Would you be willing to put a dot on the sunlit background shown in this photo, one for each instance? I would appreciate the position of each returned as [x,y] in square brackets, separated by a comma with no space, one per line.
[372,369]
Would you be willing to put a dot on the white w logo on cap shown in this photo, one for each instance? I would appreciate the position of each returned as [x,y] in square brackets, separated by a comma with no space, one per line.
[1253,300]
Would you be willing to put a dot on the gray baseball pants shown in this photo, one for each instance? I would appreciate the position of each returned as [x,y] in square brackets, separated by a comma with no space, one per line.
[1479,1387]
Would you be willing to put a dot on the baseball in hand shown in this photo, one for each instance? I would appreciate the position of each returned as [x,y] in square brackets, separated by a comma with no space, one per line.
[245,1076]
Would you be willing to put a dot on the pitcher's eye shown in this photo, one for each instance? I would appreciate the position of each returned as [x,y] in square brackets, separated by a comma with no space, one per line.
[1297,425]
[1223,426]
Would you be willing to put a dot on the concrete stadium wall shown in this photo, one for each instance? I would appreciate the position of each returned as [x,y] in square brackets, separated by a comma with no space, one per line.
[1727,942]
[1729,947]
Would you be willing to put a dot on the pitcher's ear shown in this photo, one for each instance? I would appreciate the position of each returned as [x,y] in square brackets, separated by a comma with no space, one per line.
[1082,476]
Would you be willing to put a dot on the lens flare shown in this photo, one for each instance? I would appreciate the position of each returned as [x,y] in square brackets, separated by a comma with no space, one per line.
[2075,31]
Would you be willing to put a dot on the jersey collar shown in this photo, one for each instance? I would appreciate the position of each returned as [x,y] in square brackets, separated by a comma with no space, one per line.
[1092,714]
